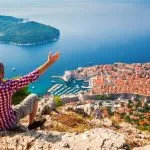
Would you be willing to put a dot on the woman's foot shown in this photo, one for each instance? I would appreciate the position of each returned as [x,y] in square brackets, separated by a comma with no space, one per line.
[36,124]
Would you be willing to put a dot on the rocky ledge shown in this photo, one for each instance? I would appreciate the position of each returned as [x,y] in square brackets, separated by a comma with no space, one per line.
[93,139]
[75,133]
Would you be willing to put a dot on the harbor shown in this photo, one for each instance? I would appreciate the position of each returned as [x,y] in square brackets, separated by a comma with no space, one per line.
[72,87]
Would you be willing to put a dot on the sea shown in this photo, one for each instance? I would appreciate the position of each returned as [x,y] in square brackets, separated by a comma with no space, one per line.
[91,32]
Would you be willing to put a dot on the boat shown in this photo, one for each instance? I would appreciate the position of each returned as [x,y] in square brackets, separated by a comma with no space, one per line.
[14,69]
[86,87]
[79,79]
[53,81]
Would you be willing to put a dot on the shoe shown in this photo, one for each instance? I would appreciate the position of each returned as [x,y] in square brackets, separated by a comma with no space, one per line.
[36,124]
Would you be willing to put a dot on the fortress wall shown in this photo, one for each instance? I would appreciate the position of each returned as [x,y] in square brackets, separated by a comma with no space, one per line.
[70,99]
[115,96]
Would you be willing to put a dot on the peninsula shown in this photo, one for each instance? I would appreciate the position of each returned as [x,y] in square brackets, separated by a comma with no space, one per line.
[24,32]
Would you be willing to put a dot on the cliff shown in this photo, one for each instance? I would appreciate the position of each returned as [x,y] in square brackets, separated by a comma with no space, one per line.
[41,140]
[68,130]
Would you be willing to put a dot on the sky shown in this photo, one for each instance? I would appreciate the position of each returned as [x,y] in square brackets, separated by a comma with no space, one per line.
[108,16]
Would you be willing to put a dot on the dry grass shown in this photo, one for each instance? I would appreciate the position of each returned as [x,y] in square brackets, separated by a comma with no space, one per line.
[65,122]
[68,122]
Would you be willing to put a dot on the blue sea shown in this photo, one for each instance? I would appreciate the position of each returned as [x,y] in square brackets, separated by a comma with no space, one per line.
[91,32]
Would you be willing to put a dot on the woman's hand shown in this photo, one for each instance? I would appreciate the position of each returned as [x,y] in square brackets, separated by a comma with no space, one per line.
[53,58]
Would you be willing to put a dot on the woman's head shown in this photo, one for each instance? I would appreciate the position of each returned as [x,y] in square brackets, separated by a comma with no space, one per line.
[1,71]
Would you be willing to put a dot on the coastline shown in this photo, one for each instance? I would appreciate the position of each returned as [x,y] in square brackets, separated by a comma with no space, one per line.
[104,80]
[31,44]
[25,32]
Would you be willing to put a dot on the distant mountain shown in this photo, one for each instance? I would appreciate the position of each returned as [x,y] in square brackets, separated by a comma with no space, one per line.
[20,31]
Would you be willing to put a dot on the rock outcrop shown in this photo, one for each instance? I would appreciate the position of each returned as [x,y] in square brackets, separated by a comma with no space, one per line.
[86,109]
[46,105]
[147,147]
[94,139]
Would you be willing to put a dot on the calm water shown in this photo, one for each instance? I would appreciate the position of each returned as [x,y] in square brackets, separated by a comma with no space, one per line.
[97,31]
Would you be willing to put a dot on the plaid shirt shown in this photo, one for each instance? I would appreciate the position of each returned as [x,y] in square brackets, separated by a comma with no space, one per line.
[7,89]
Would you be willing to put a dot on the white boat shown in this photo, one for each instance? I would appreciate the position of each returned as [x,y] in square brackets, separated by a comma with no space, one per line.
[53,81]
[14,69]
[86,87]
[77,85]
[79,79]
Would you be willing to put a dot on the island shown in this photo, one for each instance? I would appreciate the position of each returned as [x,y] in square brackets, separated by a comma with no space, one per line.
[24,32]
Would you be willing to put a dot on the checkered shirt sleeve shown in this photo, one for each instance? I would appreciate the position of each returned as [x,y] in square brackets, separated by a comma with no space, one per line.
[21,82]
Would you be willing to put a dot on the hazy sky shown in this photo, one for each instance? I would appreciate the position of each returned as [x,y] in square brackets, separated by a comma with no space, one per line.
[102,18]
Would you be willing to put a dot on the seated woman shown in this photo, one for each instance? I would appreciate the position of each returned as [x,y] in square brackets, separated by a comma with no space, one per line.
[9,117]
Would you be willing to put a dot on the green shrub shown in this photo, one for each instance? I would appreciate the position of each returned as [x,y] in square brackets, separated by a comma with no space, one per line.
[17,31]
[135,121]
[146,108]
[20,95]
[129,101]
[127,119]
[58,101]
[103,97]
[115,124]
[144,128]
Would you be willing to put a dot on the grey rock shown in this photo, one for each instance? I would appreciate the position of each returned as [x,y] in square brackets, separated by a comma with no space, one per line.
[66,145]
[46,110]
[88,108]
[52,105]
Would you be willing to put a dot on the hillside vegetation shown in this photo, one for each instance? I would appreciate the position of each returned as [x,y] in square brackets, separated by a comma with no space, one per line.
[19,31]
